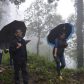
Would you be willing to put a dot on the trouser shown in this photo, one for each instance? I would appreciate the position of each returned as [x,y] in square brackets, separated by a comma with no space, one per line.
[17,67]
[0,58]
[11,60]
[60,63]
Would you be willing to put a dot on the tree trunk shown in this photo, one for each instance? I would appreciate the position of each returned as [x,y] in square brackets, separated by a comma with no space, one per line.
[38,45]
[79,25]
[38,41]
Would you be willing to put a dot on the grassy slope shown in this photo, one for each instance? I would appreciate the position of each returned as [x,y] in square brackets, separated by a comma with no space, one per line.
[42,71]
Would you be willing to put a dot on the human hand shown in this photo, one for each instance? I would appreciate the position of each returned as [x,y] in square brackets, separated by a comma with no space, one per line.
[55,55]
[65,45]
[19,45]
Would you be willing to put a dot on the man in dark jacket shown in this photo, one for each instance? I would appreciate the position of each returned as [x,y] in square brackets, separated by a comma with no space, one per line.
[19,56]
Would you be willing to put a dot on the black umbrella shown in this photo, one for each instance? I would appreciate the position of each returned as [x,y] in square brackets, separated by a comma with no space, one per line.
[54,33]
[8,31]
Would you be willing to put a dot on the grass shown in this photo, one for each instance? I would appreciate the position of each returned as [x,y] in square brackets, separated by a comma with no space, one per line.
[5,58]
[42,71]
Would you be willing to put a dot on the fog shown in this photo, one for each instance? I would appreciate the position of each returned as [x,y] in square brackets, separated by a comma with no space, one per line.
[12,12]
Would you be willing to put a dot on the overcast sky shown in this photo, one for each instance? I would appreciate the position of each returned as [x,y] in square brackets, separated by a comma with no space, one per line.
[65,7]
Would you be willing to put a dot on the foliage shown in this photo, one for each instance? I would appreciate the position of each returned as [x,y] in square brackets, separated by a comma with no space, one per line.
[51,1]
[72,43]
[41,17]
[7,76]
[42,71]
[16,2]
[5,58]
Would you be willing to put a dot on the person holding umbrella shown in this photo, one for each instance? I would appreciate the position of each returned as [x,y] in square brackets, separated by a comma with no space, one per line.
[58,38]
[58,53]
[19,56]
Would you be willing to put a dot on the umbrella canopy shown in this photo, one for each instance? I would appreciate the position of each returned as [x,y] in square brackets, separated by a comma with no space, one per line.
[54,33]
[8,31]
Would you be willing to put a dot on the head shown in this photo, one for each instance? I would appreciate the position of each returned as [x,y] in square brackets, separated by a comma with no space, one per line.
[62,36]
[18,33]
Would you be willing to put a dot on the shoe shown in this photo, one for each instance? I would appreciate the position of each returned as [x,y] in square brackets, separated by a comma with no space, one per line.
[60,77]
[1,71]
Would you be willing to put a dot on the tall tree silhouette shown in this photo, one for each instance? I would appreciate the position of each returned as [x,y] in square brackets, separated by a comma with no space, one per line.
[79,26]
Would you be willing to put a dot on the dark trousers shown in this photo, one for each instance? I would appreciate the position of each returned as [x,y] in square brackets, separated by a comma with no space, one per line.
[11,60]
[60,63]
[17,67]
[0,58]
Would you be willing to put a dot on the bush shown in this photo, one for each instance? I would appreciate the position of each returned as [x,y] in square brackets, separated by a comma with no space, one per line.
[42,71]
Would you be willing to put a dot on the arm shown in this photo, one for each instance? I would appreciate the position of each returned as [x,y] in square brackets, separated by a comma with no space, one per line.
[55,52]
[27,41]
[55,47]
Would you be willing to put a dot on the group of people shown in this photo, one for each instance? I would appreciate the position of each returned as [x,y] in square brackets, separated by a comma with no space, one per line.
[18,53]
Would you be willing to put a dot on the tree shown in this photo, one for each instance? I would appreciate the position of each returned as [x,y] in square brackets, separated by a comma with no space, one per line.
[16,2]
[79,25]
[0,13]
[40,18]
[4,13]
[51,1]
[4,6]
